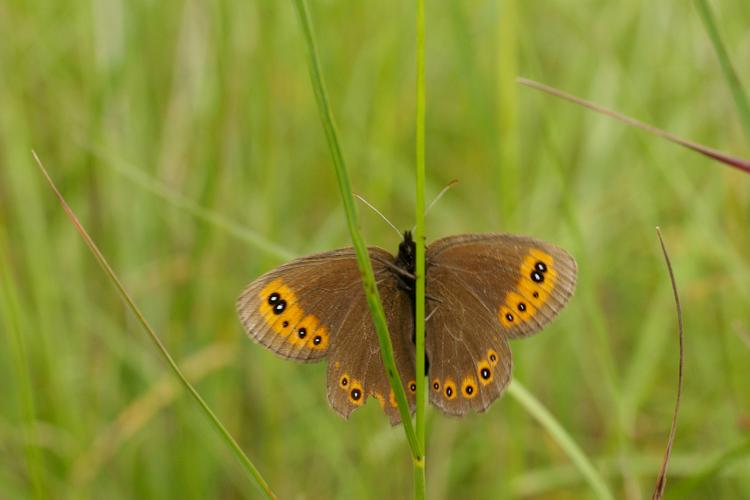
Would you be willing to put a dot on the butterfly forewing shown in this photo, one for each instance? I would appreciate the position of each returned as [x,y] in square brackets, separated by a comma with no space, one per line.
[315,306]
[482,290]
[287,309]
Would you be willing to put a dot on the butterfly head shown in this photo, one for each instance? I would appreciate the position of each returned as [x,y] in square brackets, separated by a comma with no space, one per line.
[407,253]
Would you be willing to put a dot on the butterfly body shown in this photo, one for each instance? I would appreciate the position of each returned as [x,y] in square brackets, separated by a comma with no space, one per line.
[481,291]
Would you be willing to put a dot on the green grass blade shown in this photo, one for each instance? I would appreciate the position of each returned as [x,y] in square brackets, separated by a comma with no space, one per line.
[419,465]
[561,436]
[730,75]
[363,258]
[251,470]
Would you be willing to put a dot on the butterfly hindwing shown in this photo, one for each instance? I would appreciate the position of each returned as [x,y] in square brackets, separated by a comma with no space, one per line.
[482,290]
[355,367]
[469,361]
[315,306]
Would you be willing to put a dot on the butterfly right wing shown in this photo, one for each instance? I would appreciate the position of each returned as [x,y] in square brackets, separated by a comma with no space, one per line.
[482,290]
[315,306]
[469,360]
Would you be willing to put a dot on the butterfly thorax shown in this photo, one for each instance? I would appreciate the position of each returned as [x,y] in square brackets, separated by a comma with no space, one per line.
[407,261]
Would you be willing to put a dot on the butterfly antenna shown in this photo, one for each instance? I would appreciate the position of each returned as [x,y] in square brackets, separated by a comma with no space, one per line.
[437,198]
[379,213]
[440,195]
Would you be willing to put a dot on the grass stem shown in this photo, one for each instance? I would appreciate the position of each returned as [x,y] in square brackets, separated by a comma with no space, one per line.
[419,229]
[249,467]
[661,481]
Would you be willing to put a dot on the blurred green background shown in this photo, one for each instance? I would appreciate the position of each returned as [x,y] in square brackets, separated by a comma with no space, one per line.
[186,137]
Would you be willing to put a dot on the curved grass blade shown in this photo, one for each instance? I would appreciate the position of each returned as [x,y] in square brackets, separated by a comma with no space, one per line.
[661,480]
[363,258]
[537,410]
[251,470]
[730,75]
[714,154]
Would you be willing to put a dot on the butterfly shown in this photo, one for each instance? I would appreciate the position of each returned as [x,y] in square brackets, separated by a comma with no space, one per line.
[481,290]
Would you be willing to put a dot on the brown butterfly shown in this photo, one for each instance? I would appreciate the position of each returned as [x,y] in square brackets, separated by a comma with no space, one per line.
[481,291]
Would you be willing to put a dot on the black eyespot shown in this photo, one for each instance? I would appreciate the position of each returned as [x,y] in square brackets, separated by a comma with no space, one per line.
[469,390]
[436,386]
[302,332]
[413,387]
[279,307]
[356,394]
[536,295]
[541,267]
[344,381]
[536,276]
[285,323]
[485,373]
[493,357]
[509,317]
[273,298]
[521,306]
[317,340]
[449,391]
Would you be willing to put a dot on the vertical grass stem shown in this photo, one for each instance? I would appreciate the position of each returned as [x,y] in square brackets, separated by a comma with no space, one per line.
[419,465]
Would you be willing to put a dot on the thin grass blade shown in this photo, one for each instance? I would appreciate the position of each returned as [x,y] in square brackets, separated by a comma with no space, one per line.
[249,467]
[661,480]
[419,310]
[714,154]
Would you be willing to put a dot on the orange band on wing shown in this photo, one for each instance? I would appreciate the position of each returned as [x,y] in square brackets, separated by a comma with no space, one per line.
[533,289]
[280,310]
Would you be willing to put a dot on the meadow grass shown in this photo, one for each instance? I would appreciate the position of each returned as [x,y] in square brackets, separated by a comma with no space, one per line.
[211,103]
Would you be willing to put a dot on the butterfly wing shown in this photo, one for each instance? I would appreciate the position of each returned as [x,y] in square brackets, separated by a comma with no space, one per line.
[483,289]
[355,367]
[315,306]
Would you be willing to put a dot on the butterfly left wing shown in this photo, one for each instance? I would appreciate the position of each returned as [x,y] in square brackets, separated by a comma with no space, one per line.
[483,289]
[315,306]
